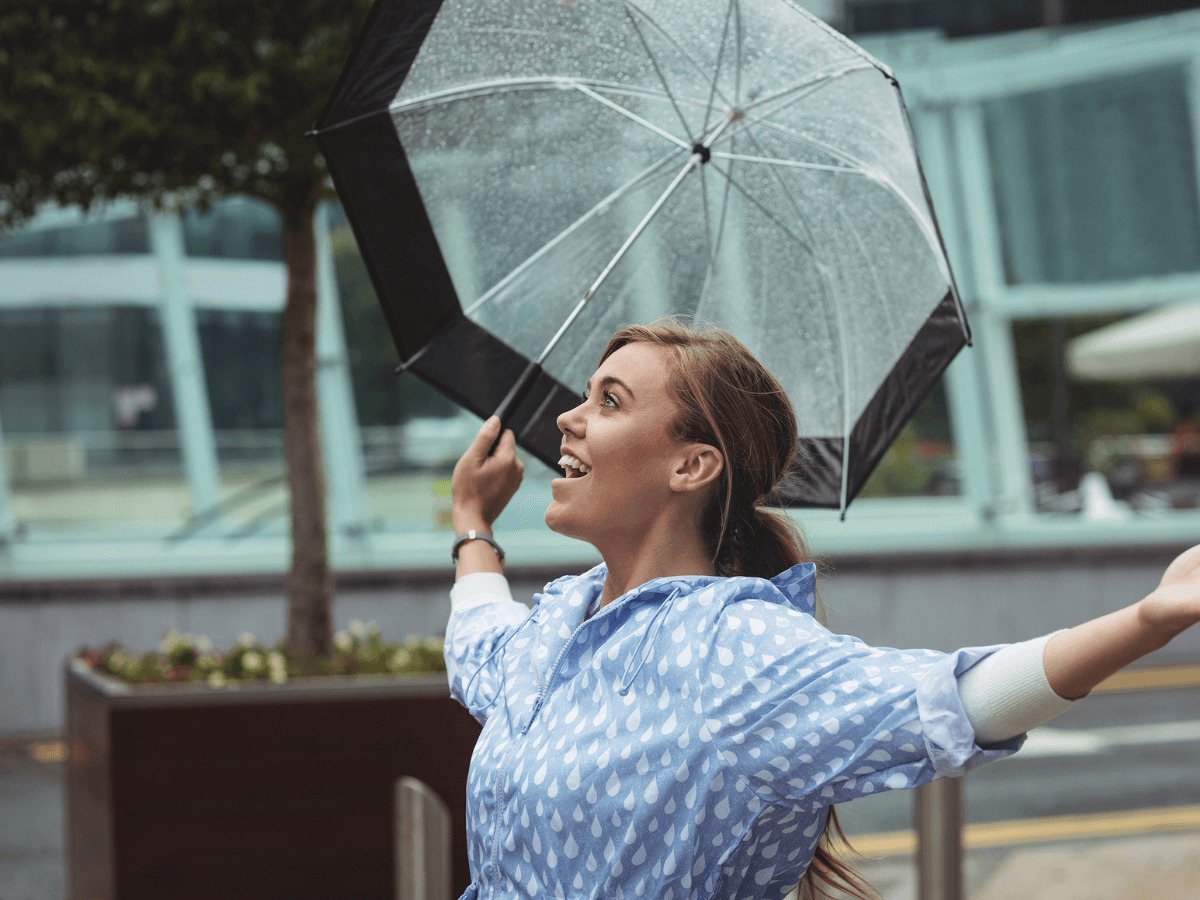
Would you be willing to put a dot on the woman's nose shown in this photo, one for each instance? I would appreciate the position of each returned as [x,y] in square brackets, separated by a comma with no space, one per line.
[571,422]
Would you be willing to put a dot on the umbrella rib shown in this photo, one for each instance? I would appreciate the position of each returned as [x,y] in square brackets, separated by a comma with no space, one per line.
[717,70]
[766,212]
[791,95]
[674,43]
[789,163]
[714,249]
[816,80]
[600,98]
[661,76]
[737,68]
[693,161]
[874,175]
[500,85]
[857,238]
[837,314]
[633,183]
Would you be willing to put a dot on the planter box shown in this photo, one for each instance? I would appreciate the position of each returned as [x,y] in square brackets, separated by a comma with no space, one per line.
[263,792]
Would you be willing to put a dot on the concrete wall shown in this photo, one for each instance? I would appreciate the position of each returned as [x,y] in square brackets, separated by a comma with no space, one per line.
[938,601]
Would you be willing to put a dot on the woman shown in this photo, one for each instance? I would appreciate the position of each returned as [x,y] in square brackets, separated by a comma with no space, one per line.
[675,722]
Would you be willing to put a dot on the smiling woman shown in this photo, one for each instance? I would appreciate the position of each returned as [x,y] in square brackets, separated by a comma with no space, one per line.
[676,722]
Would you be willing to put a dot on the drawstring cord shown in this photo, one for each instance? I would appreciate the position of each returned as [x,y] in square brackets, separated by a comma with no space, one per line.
[646,646]
[503,676]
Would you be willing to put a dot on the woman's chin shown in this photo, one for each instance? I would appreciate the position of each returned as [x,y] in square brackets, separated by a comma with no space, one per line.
[558,519]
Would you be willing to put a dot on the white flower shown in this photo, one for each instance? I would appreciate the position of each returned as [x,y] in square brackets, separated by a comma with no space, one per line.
[170,640]
[252,660]
[400,657]
[357,628]
[217,679]
[278,667]
[247,639]
[343,641]
[204,645]
[373,627]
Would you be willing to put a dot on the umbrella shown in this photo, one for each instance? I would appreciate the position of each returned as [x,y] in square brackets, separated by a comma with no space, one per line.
[1161,344]
[526,176]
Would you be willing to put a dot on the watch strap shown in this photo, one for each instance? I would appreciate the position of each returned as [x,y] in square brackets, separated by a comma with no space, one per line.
[474,535]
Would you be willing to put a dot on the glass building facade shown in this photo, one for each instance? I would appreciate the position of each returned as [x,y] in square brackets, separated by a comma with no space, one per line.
[140,406]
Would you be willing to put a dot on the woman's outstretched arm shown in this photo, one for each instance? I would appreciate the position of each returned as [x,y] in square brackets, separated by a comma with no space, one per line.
[1078,659]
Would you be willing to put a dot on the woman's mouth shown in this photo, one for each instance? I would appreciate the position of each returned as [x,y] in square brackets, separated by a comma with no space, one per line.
[573,467]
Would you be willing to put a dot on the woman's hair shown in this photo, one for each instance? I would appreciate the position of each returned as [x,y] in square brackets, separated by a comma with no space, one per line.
[729,400]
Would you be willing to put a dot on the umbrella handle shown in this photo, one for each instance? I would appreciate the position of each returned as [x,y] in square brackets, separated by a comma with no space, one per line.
[513,398]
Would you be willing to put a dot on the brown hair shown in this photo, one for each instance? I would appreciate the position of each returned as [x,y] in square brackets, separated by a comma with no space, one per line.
[729,400]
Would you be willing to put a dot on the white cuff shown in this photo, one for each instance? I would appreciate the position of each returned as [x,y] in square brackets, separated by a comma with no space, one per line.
[1007,693]
[477,589]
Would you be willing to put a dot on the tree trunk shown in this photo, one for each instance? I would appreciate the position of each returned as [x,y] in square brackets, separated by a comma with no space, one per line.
[310,580]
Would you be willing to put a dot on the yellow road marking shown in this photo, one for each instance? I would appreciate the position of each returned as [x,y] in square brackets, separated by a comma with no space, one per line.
[1151,679]
[1050,828]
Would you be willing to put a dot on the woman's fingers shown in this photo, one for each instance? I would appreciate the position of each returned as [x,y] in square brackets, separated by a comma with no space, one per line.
[484,439]
[484,481]
[507,446]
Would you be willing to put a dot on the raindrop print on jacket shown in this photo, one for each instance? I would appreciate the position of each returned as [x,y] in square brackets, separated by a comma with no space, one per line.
[686,740]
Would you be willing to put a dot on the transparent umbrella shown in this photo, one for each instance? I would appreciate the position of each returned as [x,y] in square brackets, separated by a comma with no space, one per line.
[525,177]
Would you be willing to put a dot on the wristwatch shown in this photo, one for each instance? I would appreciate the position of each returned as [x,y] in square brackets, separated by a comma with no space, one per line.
[474,535]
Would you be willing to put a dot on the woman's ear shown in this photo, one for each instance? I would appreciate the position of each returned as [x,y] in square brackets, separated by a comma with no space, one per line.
[699,465]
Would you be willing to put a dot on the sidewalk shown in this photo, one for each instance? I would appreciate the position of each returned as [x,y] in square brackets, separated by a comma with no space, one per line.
[1154,867]
[31,824]
[1142,867]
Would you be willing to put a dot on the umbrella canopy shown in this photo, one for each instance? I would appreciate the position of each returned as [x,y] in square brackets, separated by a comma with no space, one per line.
[526,177]
[1162,344]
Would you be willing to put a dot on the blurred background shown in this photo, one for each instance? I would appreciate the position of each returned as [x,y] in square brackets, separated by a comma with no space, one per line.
[1059,141]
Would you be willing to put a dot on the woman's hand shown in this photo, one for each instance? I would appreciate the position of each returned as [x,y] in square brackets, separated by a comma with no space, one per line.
[1174,606]
[482,485]
[1079,659]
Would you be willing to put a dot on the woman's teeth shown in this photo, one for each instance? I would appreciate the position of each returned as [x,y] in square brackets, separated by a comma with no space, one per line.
[574,467]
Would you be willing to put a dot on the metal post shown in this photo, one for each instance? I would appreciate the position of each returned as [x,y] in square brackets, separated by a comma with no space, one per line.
[193,415]
[422,842]
[7,520]
[938,816]
[342,448]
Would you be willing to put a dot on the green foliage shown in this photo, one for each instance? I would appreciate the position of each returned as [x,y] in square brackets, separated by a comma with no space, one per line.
[168,100]
[182,657]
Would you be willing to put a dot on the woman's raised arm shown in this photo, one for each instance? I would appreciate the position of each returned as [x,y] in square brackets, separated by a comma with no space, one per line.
[1080,658]
[481,487]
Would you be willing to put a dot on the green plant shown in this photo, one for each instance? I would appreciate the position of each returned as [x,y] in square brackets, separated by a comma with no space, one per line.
[182,657]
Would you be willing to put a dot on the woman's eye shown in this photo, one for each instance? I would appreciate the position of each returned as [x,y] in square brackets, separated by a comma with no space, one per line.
[610,400]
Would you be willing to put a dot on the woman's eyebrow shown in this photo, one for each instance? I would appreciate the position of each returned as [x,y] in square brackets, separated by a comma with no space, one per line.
[611,379]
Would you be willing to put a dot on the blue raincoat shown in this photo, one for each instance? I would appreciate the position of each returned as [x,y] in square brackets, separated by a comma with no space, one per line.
[686,740]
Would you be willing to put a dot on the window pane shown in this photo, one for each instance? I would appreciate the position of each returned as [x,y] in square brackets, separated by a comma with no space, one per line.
[1096,181]
[1136,436]
[236,228]
[126,235]
[922,461]
[89,430]
[242,369]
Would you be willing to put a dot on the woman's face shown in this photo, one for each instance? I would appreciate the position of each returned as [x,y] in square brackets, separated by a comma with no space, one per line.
[620,435]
